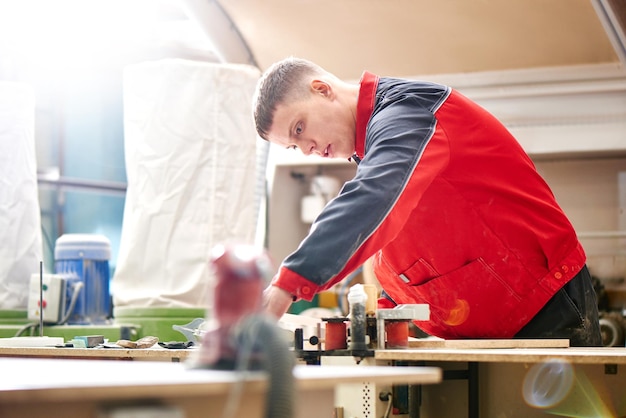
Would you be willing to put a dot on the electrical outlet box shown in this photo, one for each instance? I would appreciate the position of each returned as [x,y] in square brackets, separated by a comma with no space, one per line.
[52,304]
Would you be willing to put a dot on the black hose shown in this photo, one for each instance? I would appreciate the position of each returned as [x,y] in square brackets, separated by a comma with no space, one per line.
[262,335]
[257,344]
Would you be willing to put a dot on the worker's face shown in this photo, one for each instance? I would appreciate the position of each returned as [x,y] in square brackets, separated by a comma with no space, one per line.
[318,125]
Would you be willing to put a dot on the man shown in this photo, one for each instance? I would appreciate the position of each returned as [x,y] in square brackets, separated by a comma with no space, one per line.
[444,198]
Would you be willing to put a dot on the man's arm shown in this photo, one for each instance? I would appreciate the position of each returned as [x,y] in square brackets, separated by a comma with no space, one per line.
[276,301]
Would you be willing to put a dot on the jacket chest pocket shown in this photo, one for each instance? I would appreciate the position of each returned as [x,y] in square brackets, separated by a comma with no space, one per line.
[419,273]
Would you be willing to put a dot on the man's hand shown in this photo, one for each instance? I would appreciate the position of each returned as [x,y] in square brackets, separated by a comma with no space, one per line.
[276,301]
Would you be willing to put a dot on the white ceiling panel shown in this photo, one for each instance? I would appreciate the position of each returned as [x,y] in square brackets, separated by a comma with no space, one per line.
[411,37]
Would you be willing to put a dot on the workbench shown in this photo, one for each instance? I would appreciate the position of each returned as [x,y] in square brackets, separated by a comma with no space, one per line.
[495,379]
[59,388]
[477,382]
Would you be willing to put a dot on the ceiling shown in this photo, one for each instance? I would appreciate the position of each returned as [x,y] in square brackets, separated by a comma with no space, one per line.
[418,37]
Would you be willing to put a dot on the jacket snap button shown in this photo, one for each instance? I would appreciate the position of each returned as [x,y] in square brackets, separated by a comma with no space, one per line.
[557,275]
[565,269]
[306,290]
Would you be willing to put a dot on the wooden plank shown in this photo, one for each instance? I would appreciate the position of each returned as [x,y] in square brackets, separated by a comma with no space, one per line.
[62,379]
[497,343]
[156,353]
[58,388]
[574,355]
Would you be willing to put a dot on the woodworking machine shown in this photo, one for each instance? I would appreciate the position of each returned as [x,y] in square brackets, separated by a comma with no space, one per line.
[364,330]
[353,339]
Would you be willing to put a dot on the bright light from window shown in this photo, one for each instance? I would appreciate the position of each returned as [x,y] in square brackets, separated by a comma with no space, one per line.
[66,35]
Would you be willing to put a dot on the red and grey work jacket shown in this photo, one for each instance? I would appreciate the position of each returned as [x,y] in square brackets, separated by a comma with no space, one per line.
[452,209]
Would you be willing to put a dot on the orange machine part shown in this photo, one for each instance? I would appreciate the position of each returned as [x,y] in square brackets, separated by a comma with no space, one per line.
[397,334]
[336,336]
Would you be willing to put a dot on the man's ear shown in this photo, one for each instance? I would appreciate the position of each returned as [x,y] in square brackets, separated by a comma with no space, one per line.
[321,87]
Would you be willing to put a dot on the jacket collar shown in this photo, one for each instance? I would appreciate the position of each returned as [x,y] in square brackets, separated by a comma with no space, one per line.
[364,109]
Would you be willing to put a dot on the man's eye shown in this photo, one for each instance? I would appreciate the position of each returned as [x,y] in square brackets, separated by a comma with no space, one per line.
[298,130]
[292,147]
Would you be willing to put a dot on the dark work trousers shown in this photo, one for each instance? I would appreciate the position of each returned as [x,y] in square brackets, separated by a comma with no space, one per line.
[571,313]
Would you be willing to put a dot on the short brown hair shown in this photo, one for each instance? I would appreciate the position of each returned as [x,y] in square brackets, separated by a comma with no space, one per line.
[281,82]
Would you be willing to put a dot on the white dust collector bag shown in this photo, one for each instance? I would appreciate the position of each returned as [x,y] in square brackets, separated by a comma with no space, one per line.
[190,159]
[20,218]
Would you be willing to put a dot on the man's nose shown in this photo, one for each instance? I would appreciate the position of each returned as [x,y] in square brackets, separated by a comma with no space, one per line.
[309,148]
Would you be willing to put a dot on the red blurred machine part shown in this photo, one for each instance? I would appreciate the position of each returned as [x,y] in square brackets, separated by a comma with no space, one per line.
[242,336]
[241,274]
